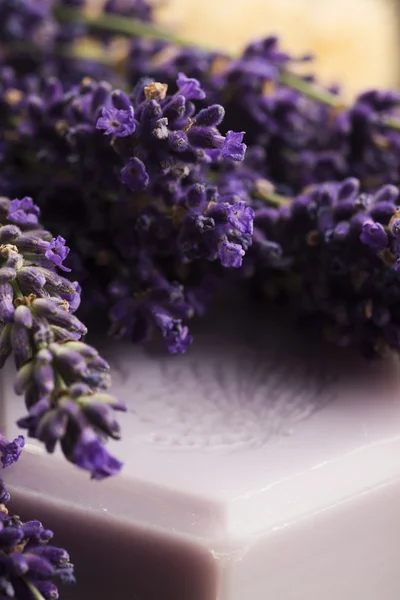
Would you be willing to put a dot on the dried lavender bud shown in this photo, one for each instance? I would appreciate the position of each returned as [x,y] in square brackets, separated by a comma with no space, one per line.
[344,262]
[29,566]
[43,334]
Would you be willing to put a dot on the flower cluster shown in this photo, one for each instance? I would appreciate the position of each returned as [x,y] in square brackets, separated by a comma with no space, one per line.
[62,378]
[29,566]
[334,252]
[151,217]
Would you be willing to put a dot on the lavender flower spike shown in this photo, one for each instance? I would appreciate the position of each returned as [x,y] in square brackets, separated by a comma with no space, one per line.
[338,254]
[29,566]
[58,374]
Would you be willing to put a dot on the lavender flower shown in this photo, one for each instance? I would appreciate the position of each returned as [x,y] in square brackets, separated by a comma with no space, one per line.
[138,220]
[338,252]
[10,451]
[29,566]
[116,122]
[58,374]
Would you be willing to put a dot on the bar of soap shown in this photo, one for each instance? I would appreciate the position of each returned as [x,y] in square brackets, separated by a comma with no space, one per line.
[260,465]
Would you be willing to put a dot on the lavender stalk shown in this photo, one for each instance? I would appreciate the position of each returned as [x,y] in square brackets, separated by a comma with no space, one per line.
[333,253]
[30,567]
[62,378]
[134,177]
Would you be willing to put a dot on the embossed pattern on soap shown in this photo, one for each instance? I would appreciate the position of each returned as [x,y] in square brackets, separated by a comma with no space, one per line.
[223,395]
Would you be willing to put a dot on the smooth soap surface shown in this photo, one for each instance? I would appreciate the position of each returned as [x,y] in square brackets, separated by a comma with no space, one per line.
[272,459]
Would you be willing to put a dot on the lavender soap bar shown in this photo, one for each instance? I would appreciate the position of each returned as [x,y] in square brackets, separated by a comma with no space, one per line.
[256,466]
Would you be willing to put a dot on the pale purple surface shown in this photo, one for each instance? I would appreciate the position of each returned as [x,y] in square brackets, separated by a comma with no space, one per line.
[256,466]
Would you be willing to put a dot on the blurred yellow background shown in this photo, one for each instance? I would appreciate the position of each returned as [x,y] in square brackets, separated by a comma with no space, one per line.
[356,42]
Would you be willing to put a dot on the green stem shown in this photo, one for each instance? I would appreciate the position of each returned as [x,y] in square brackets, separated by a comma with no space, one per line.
[17,290]
[36,594]
[392,123]
[121,26]
[60,383]
[134,27]
[311,90]
[268,196]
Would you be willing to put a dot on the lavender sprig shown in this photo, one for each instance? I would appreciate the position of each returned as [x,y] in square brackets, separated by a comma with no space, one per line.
[334,252]
[62,378]
[309,132]
[30,567]
[134,175]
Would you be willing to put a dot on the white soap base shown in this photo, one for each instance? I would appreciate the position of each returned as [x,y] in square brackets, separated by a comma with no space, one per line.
[258,466]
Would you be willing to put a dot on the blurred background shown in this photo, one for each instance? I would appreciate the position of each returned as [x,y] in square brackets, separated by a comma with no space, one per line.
[356,42]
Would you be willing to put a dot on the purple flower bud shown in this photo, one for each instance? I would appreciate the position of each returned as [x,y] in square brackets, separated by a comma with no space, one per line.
[104,399]
[76,390]
[24,212]
[52,427]
[100,95]
[73,298]
[387,193]
[357,222]
[211,116]
[11,451]
[28,242]
[233,146]
[84,349]
[43,332]
[14,261]
[374,236]
[9,538]
[32,419]
[57,252]
[31,280]
[9,234]
[341,231]
[382,212]
[7,274]
[120,100]
[203,223]
[47,589]
[38,567]
[58,557]
[348,189]
[190,88]
[43,372]
[119,123]
[36,533]
[4,495]
[176,336]
[196,195]
[56,283]
[230,254]
[160,130]
[21,344]
[18,564]
[23,378]
[203,137]
[178,141]
[6,302]
[90,454]
[102,417]
[241,217]
[69,361]
[48,309]
[395,227]
[134,175]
